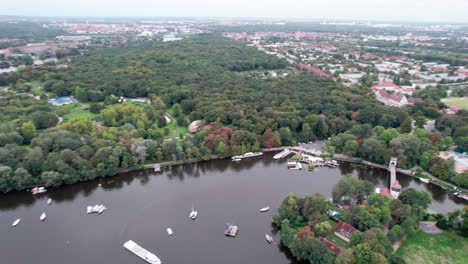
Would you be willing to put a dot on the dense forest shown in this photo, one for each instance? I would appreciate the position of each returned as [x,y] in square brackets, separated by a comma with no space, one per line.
[203,77]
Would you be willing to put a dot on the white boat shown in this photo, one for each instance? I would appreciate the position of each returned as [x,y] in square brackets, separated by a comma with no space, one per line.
[38,190]
[424,180]
[269,238]
[43,216]
[16,222]
[141,252]
[49,201]
[169,231]
[98,208]
[265,209]
[247,155]
[193,214]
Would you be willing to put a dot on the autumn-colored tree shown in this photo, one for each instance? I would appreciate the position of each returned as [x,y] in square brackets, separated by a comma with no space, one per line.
[305,232]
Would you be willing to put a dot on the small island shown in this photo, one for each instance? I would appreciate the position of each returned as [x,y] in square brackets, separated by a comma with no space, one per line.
[358,225]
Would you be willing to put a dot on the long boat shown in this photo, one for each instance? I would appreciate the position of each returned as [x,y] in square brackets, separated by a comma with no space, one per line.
[141,252]
[247,155]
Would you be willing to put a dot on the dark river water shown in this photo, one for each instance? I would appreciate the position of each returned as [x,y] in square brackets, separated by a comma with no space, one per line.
[143,204]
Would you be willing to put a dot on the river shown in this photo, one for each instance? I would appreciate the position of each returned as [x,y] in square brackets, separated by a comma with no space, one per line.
[143,204]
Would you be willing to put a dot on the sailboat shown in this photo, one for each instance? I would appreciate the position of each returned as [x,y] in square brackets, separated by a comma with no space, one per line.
[193,214]
[49,201]
[16,222]
[43,216]
[169,231]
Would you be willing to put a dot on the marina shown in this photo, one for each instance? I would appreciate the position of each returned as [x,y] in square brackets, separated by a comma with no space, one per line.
[138,199]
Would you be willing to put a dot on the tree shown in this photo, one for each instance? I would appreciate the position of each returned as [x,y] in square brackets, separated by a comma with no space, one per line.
[346,256]
[80,125]
[362,254]
[352,187]
[43,119]
[420,121]
[415,198]
[28,131]
[323,229]
[157,103]
[312,250]
[406,126]
[286,136]
[389,134]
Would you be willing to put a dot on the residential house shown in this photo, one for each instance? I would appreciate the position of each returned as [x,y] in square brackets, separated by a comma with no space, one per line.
[394,99]
[344,231]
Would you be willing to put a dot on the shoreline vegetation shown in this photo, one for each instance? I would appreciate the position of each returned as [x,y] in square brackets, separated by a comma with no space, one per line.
[359,226]
[433,180]
[133,105]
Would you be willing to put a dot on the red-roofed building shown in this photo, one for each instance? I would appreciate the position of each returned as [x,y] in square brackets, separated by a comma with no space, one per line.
[395,99]
[344,231]
[330,245]
[389,86]
[384,191]
[313,70]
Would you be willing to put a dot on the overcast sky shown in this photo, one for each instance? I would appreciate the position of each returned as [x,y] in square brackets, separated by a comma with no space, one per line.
[406,10]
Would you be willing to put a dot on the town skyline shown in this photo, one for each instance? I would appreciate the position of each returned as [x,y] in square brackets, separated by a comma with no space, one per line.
[358,10]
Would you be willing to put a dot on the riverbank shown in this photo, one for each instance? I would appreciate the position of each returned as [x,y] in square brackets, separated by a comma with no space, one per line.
[432,179]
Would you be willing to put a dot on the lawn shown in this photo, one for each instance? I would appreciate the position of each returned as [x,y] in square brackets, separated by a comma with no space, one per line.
[463,103]
[445,248]
[75,110]
[174,130]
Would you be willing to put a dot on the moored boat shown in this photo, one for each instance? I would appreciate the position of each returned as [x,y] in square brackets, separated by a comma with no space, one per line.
[169,231]
[43,216]
[231,230]
[265,209]
[16,222]
[141,252]
[98,208]
[247,155]
[424,180]
[49,201]
[38,190]
[193,214]
[269,238]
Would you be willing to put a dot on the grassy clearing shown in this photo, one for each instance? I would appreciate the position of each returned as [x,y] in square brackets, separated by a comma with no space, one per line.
[463,103]
[445,248]
[174,130]
[75,110]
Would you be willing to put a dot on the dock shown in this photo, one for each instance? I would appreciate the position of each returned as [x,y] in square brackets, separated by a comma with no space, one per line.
[282,154]
[141,252]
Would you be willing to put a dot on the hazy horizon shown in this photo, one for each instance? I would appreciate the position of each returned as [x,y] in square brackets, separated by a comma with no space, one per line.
[373,10]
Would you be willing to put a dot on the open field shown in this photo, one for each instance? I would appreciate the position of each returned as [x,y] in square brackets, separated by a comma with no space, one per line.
[445,248]
[462,103]
[75,110]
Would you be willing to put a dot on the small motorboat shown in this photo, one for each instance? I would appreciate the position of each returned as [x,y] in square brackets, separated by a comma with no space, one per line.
[49,201]
[425,180]
[269,238]
[169,231]
[236,159]
[193,214]
[98,208]
[231,230]
[265,209]
[38,190]
[43,216]
[16,222]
